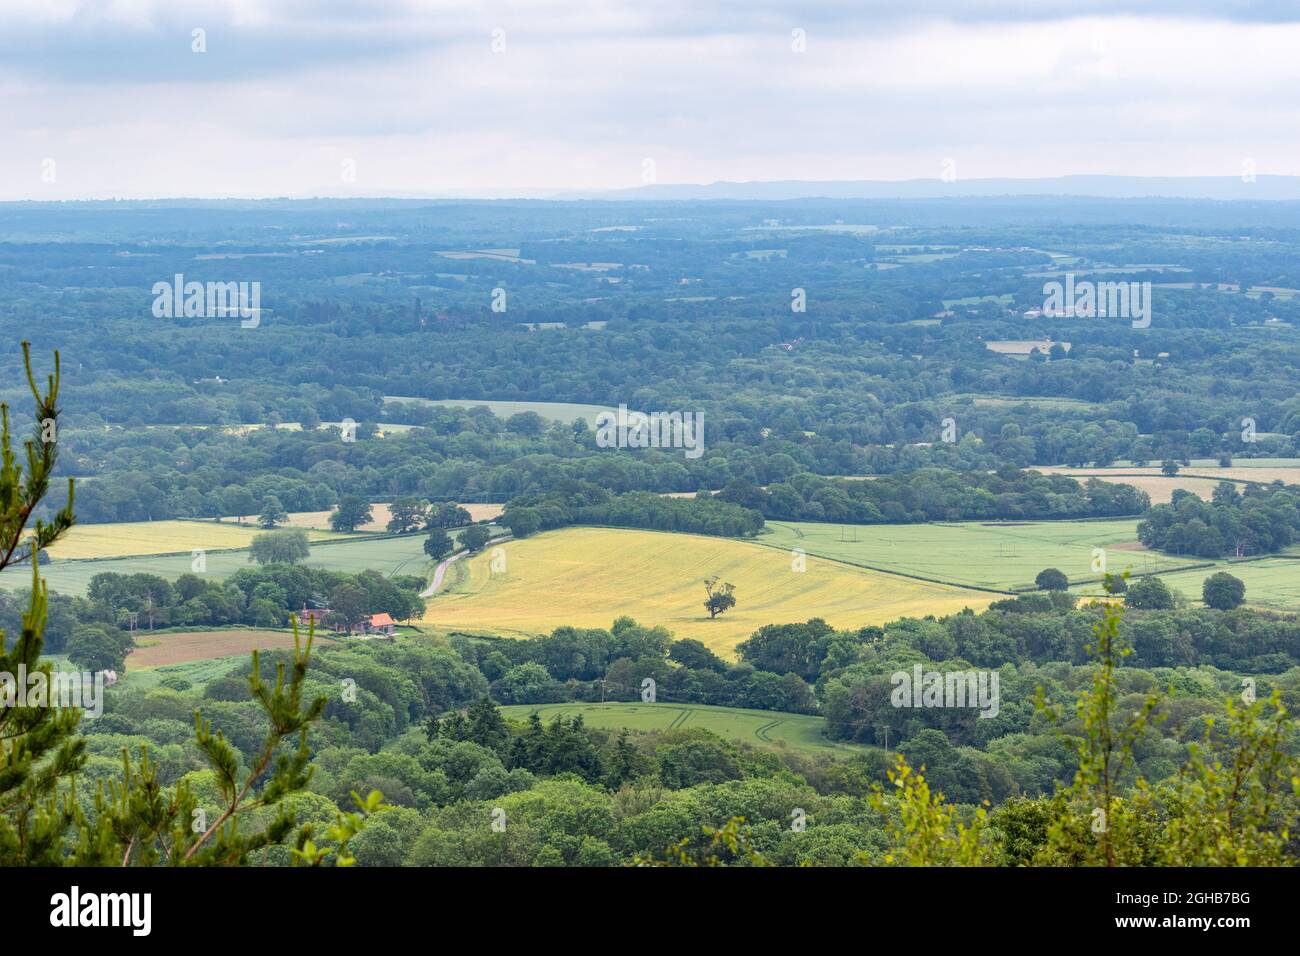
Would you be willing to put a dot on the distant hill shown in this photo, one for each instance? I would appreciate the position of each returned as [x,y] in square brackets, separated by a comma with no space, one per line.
[1116,187]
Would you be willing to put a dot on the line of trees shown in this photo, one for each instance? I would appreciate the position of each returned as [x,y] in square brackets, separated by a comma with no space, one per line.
[264,596]
[937,494]
[590,504]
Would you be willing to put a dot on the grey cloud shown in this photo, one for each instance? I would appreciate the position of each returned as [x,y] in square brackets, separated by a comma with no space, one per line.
[299,35]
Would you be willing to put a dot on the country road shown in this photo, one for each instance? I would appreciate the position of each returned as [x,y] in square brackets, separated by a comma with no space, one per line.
[441,569]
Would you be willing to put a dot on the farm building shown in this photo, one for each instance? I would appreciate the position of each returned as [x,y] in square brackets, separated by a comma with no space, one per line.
[312,615]
[380,624]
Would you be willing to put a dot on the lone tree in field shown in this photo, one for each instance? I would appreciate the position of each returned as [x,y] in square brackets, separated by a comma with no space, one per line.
[720,597]
[439,544]
[475,537]
[350,513]
[273,513]
[1223,592]
[1052,579]
[1149,594]
[1169,468]
[286,546]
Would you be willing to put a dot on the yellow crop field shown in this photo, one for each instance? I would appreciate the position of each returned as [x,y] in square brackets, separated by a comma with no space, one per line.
[130,538]
[589,576]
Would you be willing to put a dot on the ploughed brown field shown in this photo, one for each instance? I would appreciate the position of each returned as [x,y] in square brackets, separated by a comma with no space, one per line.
[179,648]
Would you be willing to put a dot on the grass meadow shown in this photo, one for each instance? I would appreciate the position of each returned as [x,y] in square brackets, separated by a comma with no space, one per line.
[997,555]
[799,732]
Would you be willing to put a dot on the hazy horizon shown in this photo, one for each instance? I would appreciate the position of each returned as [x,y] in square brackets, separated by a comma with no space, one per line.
[1067,186]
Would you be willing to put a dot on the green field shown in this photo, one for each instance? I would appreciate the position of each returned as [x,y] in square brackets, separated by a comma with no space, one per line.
[1013,401]
[399,555]
[565,412]
[198,673]
[132,538]
[1271,583]
[798,732]
[922,258]
[997,555]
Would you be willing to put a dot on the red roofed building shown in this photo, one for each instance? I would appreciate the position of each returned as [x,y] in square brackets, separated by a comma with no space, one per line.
[381,624]
[312,615]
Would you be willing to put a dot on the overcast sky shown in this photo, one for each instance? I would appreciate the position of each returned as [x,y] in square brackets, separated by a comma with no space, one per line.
[398,97]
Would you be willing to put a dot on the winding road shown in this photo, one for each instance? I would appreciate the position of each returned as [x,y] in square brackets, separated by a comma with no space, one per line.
[441,570]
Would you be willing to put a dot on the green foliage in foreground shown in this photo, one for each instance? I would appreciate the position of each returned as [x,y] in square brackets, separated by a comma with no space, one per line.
[134,819]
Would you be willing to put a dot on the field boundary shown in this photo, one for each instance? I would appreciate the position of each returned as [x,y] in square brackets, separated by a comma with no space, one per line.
[880,570]
[777,547]
[351,539]
[1018,590]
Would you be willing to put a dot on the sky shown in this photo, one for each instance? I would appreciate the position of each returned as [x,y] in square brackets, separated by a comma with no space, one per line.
[258,98]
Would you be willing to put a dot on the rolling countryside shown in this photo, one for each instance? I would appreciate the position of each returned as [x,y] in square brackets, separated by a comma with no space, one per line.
[587,577]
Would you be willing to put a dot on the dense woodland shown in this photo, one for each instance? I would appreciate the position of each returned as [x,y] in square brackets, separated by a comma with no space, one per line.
[424,731]
[890,345]
[1233,524]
